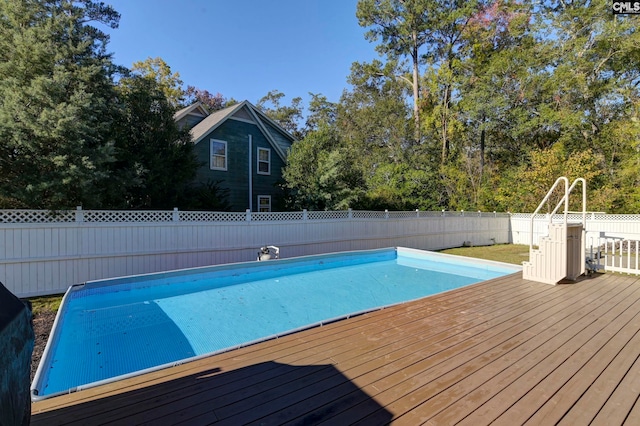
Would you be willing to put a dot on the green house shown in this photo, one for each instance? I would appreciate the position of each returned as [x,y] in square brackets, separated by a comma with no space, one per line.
[243,149]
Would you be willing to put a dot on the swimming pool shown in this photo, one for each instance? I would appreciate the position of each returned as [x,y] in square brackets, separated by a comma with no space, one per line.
[111,329]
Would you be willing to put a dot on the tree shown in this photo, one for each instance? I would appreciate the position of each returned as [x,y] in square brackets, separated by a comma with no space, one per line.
[209,196]
[428,32]
[374,121]
[403,29]
[56,102]
[285,116]
[497,42]
[321,112]
[525,187]
[209,100]
[168,81]
[320,175]
[155,163]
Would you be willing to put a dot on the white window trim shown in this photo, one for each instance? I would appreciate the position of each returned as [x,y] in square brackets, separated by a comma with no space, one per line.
[259,161]
[268,197]
[226,155]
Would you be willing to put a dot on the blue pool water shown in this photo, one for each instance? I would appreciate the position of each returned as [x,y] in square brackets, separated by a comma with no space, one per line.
[111,328]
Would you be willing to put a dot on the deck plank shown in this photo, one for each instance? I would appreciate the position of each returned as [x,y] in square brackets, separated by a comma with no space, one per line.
[556,361]
[507,350]
[414,331]
[467,371]
[387,361]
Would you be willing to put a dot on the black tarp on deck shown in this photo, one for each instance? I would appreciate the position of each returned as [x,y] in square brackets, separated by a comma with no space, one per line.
[16,347]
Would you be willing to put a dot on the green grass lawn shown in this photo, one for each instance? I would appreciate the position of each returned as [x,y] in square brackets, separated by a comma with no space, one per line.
[508,253]
[46,303]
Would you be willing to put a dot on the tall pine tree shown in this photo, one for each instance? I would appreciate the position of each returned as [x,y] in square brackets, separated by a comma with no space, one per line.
[56,94]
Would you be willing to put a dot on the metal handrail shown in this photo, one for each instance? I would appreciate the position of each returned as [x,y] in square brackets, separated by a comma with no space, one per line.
[565,200]
[544,200]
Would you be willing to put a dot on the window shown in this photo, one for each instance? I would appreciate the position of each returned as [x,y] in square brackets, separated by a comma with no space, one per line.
[264,161]
[218,155]
[264,203]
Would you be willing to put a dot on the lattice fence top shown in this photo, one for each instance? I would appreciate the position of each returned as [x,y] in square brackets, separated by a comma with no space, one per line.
[126,216]
[324,215]
[212,217]
[368,215]
[402,215]
[578,216]
[174,216]
[36,216]
[276,216]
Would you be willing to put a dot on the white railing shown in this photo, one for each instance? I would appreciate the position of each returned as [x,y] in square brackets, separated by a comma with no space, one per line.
[606,236]
[614,253]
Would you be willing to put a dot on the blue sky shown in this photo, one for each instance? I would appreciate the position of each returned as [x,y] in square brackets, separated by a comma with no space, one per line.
[246,48]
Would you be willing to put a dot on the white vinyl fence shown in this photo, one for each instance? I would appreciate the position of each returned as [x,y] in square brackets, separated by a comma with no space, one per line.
[44,252]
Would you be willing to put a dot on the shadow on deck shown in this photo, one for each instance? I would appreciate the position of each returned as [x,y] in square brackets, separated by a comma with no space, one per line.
[268,392]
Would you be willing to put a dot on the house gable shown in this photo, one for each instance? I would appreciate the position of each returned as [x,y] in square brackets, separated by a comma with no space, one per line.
[279,138]
[225,137]
[190,116]
[243,114]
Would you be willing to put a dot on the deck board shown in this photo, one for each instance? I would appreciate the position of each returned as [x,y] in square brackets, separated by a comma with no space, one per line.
[506,350]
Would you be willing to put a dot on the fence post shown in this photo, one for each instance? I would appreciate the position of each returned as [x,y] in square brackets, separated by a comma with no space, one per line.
[176,215]
[418,213]
[443,214]
[350,214]
[248,215]
[386,214]
[79,214]
[305,216]
[462,213]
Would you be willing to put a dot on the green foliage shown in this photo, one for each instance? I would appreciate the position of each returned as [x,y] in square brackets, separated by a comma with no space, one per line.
[512,95]
[398,186]
[168,81]
[154,159]
[285,116]
[55,103]
[472,105]
[209,196]
[321,112]
[403,29]
[524,188]
[320,173]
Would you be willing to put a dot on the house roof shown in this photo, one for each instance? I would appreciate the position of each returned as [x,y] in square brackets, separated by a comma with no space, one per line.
[195,109]
[278,137]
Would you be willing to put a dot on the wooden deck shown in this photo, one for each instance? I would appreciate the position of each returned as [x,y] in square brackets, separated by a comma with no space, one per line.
[505,351]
